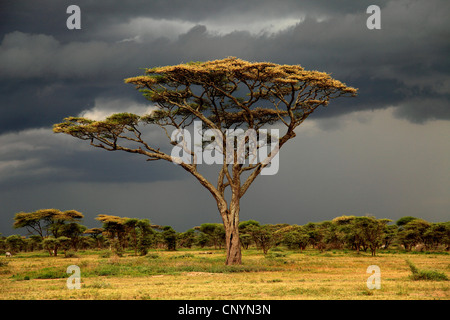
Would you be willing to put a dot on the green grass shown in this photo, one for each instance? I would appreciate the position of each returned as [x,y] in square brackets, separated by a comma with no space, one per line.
[153,264]
[45,273]
[3,263]
[190,274]
[433,275]
[147,269]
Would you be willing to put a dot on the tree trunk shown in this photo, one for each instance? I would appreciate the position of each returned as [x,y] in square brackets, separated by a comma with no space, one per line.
[233,246]
[231,224]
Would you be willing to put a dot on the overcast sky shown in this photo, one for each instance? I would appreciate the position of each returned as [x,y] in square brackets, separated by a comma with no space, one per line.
[385,153]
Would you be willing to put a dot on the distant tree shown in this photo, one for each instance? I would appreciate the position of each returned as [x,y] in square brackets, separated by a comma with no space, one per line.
[245,224]
[370,231]
[85,243]
[244,234]
[146,236]
[160,242]
[390,234]
[404,220]
[296,237]
[45,221]
[202,239]
[170,238]
[215,232]
[278,231]
[263,235]
[343,220]
[2,243]
[186,239]
[316,233]
[73,231]
[446,238]
[115,230]
[15,243]
[413,233]
[333,237]
[60,221]
[437,234]
[344,231]
[96,234]
[37,222]
[246,240]
[51,244]
[225,94]
[131,227]
[35,242]
[64,243]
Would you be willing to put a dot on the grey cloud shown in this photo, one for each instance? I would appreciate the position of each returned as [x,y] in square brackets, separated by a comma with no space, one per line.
[421,110]
[35,156]
[31,103]
[42,56]
[49,16]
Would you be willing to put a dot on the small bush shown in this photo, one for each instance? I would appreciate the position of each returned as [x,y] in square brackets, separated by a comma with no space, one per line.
[152,256]
[430,275]
[70,254]
[275,255]
[106,254]
[45,273]
[275,280]
[413,268]
[418,274]
[186,255]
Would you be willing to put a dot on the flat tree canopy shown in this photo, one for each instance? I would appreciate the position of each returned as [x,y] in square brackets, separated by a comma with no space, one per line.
[44,221]
[223,95]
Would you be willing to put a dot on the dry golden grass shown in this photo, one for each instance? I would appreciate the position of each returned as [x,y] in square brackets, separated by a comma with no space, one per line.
[192,275]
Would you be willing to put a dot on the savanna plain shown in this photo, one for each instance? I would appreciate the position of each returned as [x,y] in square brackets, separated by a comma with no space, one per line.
[281,274]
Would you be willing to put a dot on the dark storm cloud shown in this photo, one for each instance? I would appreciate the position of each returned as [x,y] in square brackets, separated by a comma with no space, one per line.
[422,109]
[48,72]
[371,60]
[48,16]
[34,103]
[32,156]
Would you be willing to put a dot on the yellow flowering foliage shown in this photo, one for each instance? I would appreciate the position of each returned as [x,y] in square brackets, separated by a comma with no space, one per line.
[111,219]
[30,219]
[237,69]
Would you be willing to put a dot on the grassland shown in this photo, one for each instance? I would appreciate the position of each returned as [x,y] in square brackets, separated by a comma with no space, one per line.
[194,274]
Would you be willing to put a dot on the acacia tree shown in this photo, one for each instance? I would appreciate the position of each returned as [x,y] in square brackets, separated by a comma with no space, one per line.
[223,95]
[170,238]
[45,222]
[114,227]
[74,231]
[96,235]
[296,237]
[262,235]
[131,226]
[370,230]
[146,236]
[244,234]
[215,232]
